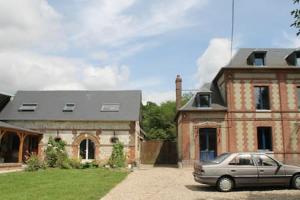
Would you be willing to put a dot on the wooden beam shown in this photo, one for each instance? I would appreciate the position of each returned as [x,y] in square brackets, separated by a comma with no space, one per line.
[22,138]
[2,132]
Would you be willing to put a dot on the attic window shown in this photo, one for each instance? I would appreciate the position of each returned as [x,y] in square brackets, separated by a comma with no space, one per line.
[203,100]
[28,107]
[69,107]
[110,107]
[297,59]
[257,59]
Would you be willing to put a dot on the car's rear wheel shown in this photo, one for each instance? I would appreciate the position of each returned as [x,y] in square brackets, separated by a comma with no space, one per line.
[296,182]
[225,184]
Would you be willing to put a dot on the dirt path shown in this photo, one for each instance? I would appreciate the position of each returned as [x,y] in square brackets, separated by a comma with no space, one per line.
[171,183]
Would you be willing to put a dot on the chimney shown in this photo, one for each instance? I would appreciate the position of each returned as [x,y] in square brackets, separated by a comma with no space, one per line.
[178,83]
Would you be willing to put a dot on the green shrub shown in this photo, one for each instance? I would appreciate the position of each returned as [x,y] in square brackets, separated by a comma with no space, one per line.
[34,163]
[92,164]
[56,155]
[117,158]
[75,163]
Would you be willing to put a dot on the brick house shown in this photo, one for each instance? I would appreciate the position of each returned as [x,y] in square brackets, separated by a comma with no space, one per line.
[251,104]
[90,122]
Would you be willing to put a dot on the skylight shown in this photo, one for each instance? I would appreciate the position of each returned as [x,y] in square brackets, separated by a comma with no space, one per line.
[110,107]
[69,107]
[28,107]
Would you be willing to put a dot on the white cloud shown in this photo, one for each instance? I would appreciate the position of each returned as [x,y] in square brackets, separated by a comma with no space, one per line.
[29,23]
[216,55]
[22,70]
[158,97]
[107,22]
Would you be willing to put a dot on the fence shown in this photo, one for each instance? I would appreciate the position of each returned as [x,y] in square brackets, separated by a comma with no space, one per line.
[158,152]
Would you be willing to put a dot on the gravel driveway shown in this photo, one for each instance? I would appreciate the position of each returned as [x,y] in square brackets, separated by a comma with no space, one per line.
[172,183]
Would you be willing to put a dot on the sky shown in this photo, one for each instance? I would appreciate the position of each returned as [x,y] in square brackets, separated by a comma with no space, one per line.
[131,44]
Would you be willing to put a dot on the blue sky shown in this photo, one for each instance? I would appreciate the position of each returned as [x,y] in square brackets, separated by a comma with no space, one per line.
[131,44]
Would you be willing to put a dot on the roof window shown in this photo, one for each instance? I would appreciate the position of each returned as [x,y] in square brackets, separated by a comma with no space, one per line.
[203,100]
[69,107]
[28,107]
[257,59]
[110,107]
[294,59]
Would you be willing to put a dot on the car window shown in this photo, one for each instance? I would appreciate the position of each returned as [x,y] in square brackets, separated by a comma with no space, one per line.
[242,160]
[263,160]
[221,158]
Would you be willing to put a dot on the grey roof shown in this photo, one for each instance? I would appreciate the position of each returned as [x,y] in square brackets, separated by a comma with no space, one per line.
[217,103]
[9,126]
[275,57]
[88,105]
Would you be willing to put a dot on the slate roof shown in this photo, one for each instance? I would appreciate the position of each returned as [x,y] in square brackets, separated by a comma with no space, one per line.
[275,57]
[87,105]
[12,127]
[217,103]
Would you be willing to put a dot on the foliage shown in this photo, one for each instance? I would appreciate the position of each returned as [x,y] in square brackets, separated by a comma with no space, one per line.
[56,155]
[158,121]
[117,158]
[296,15]
[75,163]
[34,163]
[92,165]
[59,184]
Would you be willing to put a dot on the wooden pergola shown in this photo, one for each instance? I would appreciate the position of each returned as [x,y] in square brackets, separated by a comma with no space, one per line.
[22,133]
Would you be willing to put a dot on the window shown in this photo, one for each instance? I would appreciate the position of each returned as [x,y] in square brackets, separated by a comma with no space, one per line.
[28,107]
[262,98]
[110,107]
[243,159]
[257,59]
[263,160]
[298,94]
[297,59]
[264,138]
[69,107]
[203,100]
[87,149]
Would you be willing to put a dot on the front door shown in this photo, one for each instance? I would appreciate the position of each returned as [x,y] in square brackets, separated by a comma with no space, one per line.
[208,143]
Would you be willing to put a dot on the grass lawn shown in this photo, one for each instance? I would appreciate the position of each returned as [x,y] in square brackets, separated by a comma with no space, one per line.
[56,184]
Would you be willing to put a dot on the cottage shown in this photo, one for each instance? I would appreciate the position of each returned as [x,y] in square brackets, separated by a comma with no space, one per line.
[90,122]
[252,104]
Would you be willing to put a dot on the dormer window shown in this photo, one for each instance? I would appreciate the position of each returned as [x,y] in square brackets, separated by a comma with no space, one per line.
[28,107]
[257,59]
[297,59]
[110,107]
[203,100]
[69,107]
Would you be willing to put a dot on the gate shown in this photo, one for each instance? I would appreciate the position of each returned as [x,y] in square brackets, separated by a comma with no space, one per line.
[158,152]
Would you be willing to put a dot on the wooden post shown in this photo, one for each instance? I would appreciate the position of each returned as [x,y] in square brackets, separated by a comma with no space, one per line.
[1,134]
[22,138]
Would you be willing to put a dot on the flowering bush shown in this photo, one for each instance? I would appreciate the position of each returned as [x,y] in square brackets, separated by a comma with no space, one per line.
[56,155]
[117,158]
[34,163]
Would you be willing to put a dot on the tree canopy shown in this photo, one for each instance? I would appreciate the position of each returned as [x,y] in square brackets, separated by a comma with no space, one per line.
[296,15]
[158,121]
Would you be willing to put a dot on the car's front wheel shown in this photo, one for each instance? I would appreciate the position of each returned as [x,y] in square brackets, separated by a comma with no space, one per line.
[296,181]
[225,184]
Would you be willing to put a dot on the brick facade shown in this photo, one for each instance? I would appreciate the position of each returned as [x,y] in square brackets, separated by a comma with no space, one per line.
[237,126]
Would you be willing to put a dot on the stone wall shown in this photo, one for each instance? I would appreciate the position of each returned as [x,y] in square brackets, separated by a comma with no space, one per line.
[99,132]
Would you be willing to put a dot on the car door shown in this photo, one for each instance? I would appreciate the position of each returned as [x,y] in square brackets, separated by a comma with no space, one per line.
[270,172]
[243,170]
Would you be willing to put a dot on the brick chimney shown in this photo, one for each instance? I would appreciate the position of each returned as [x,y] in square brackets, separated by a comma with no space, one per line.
[178,83]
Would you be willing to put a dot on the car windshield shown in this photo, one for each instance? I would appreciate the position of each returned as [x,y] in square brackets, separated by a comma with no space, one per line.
[220,158]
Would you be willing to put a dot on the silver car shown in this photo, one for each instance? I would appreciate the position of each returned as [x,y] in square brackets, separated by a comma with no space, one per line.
[231,170]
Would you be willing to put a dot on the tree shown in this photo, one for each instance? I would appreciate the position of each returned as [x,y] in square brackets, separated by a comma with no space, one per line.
[158,120]
[296,15]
